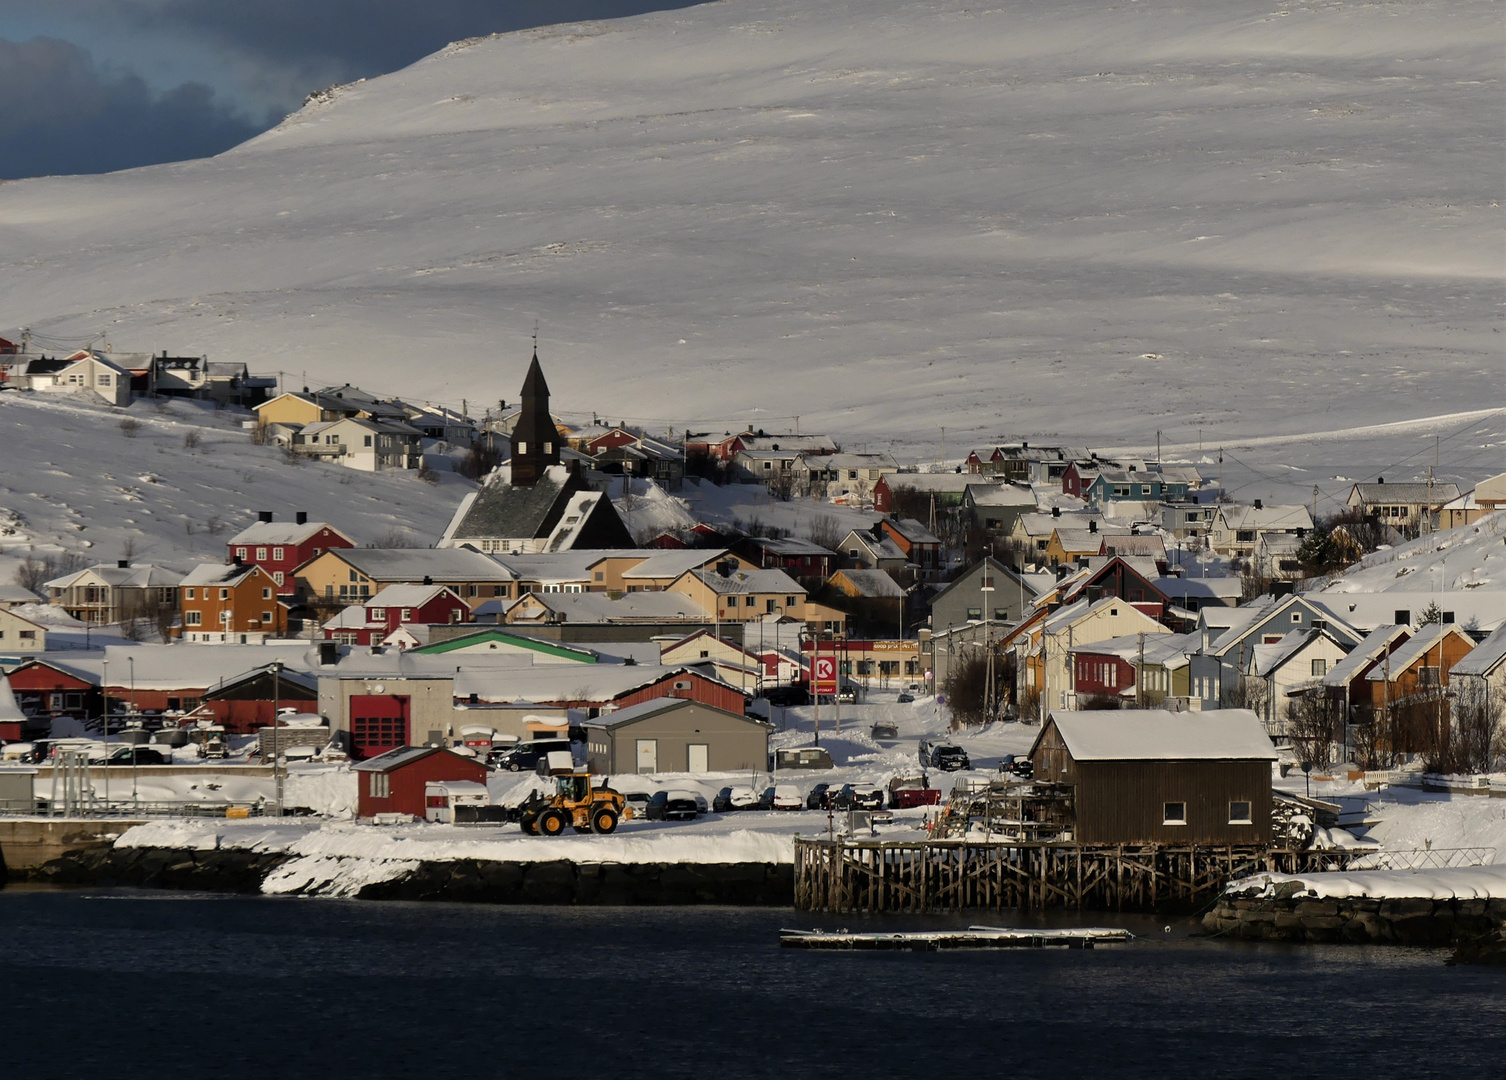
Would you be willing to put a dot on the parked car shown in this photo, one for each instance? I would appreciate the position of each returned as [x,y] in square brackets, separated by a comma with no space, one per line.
[638,800]
[1017,765]
[142,755]
[905,698]
[525,756]
[849,693]
[673,806]
[943,756]
[884,729]
[910,791]
[819,797]
[734,798]
[784,797]
[858,797]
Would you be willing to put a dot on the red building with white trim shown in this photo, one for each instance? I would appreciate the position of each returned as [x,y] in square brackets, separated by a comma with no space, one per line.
[393,783]
[280,547]
[396,605]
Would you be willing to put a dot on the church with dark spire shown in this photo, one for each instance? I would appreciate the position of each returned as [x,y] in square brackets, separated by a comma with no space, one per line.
[535,440]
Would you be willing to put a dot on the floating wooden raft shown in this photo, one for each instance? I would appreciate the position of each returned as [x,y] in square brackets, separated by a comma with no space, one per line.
[974,937]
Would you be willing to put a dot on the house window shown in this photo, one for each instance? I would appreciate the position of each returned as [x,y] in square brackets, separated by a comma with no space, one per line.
[380,786]
[1121,491]
[1427,676]
[975,613]
[266,593]
[277,577]
[1174,813]
[225,617]
[224,594]
[1239,813]
[366,441]
[378,614]
[240,553]
[748,601]
[522,448]
[407,615]
[548,448]
[266,618]
[104,380]
[188,594]
[261,554]
[1320,667]
[1296,616]
[26,635]
[192,618]
[277,554]
[599,576]
[1144,489]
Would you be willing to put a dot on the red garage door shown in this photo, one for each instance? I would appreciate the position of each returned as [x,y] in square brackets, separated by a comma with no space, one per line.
[378,723]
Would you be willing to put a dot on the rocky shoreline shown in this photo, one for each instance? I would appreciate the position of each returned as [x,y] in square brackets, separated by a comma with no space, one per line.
[460,880]
[1475,928]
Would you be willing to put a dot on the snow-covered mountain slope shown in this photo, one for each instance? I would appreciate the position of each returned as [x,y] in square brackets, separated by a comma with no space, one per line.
[1077,217]
[72,479]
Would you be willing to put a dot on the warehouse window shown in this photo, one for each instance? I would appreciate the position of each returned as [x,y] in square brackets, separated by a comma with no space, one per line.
[1175,813]
[381,785]
[1239,813]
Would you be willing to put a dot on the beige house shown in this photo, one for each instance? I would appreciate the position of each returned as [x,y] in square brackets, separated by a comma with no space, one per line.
[675,735]
[82,372]
[108,594]
[1047,646]
[1237,530]
[1401,506]
[19,635]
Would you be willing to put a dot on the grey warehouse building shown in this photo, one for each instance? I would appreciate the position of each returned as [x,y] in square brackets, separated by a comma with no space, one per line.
[675,735]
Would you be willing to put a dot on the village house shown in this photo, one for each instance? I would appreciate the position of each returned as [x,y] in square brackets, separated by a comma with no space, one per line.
[12,595]
[872,550]
[881,662]
[1032,532]
[1069,545]
[910,492]
[223,382]
[396,605]
[19,636]
[342,576]
[757,663]
[1115,486]
[1277,673]
[660,609]
[995,508]
[808,563]
[1230,635]
[874,601]
[848,478]
[281,547]
[1237,529]
[396,782]
[366,445]
[985,586]
[235,603]
[1420,668]
[441,423]
[1479,678]
[675,735]
[1490,493]
[1187,521]
[594,689]
[85,371]
[1347,681]
[1138,670]
[735,594]
[111,594]
[58,688]
[623,451]
[1407,508]
[922,548]
[650,571]
[1153,777]
[1043,647]
[748,440]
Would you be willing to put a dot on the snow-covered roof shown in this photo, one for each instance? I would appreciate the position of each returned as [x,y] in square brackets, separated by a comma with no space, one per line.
[559,567]
[597,607]
[415,564]
[1044,525]
[873,583]
[281,532]
[222,574]
[1422,493]
[1416,648]
[1363,655]
[560,682]
[1156,735]
[788,545]
[912,530]
[749,581]
[351,618]
[1216,588]
[1267,659]
[984,494]
[1484,608]
[948,482]
[406,596]
[671,564]
[183,666]
[1164,650]
[9,710]
[402,755]
[145,576]
[16,594]
[642,710]
[1485,657]
[880,549]
[1265,517]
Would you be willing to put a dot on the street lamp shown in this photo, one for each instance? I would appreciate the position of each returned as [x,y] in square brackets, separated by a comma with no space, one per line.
[279,760]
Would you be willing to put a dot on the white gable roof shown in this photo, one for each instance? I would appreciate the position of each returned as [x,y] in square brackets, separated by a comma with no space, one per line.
[1156,735]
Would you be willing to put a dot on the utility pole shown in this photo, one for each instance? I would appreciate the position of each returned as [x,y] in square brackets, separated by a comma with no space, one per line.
[1140,674]
[987,588]
[943,448]
[1315,506]
[1158,446]
[1426,525]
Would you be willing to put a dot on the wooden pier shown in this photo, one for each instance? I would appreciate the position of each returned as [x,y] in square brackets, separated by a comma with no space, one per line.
[921,877]
[974,937]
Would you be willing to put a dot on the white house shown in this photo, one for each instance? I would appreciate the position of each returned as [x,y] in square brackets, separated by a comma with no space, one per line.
[367,445]
[1237,529]
[20,635]
[82,372]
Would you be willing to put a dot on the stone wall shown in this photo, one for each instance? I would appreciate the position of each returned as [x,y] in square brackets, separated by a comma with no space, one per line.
[1358,920]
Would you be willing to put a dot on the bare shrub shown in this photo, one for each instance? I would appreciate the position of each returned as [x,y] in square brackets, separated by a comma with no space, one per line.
[478,461]
[192,438]
[129,427]
[35,571]
[427,474]
[396,538]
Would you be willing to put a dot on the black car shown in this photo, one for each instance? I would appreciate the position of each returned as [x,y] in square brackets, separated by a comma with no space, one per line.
[943,756]
[905,699]
[138,755]
[858,797]
[787,695]
[672,806]
[525,756]
[819,797]
[1017,765]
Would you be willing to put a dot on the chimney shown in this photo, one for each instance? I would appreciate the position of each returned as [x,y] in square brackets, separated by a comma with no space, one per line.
[236,559]
[301,518]
[725,567]
[428,580]
[123,564]
[475,698]
[1056,511]
[264,516]
[1092,526]
[1259,505]
[329,653]
[1024,445]
[1380,479]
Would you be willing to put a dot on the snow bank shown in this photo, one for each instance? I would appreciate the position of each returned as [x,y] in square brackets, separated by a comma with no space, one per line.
[1459,883]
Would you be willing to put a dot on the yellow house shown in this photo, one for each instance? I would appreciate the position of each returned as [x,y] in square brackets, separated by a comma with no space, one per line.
[290,408]
[352,575]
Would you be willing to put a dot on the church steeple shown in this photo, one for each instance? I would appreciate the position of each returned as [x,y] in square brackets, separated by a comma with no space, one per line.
[535,440]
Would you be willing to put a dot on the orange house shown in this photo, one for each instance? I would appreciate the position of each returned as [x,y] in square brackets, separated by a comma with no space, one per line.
[235,603]
[1419,667]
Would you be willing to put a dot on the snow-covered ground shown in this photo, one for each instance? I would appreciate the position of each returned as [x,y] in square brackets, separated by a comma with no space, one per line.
[1462,883]
[73,479]
[1274,229]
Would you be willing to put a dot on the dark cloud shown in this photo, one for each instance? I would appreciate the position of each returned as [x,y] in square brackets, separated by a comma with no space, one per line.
[364,37]
[61,113]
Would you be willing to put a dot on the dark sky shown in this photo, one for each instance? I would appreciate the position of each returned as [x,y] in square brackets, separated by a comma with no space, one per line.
[91,86]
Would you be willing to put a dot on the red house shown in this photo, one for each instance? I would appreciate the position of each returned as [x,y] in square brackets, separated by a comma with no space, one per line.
[393,783]
[1118,577]
[396,605]
[1078,478]
[279,548]
[45,689]
[1101,673]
